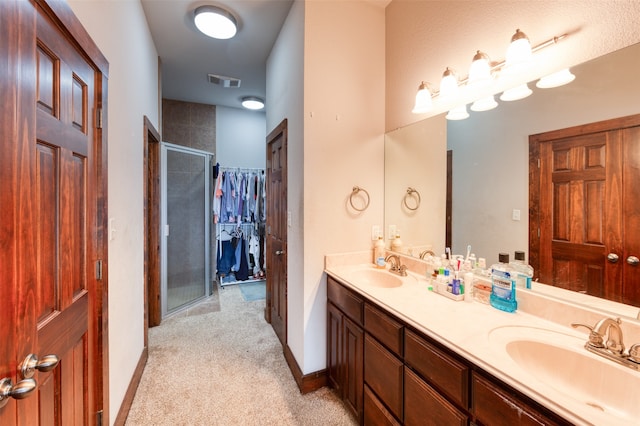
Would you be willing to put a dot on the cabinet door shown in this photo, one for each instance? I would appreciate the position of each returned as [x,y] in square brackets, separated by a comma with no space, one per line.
[383,374]
[375,413]
[334,347]
[352,365]
[423,406]
[497,406]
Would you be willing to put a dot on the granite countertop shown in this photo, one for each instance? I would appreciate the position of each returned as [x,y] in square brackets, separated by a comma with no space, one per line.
[466,328]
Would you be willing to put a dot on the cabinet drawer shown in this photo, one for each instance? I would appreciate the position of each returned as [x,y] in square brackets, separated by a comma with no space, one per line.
[383,374]
[346,300]
[442,371]
[375,413]
[383,327]
[497,406]
[423,406]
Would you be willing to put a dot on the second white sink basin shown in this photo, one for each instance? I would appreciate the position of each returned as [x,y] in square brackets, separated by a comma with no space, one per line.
[560,361]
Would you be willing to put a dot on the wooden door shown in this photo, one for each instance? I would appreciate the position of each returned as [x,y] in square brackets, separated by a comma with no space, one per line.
[584,202]
[276,251]
[53,215]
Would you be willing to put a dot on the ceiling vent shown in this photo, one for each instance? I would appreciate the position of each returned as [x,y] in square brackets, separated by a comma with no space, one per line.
[223,81]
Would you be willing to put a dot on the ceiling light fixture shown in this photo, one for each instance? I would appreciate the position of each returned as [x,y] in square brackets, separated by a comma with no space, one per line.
[215,22]
[252,102]
[483,72]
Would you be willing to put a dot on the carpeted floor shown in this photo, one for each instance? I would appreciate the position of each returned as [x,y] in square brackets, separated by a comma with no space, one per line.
[225,368]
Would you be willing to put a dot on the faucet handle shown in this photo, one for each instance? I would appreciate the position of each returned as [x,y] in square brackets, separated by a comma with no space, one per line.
[634,353]
[595,339]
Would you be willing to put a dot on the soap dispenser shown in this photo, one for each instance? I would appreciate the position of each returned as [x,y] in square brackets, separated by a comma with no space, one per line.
[378,251]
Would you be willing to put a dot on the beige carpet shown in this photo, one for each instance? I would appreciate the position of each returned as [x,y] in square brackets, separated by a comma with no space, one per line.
[225,368]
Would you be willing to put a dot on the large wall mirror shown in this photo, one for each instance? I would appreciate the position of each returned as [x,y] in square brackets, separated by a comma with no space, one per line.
[490,161]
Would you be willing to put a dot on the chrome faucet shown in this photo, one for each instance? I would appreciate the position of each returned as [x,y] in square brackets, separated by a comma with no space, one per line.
[612,329]
[396,266]
[426,252]
[613,347]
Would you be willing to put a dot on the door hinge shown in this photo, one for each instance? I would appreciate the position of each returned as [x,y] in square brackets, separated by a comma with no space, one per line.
[538,163]
[538,232]
[99,118]
[98,269]
[99,418]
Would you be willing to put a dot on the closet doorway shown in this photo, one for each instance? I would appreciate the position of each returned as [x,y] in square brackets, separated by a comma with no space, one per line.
[185,234]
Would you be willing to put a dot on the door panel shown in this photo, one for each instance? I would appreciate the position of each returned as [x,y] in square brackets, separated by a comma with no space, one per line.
[587,206]
[51,233]
[276,252]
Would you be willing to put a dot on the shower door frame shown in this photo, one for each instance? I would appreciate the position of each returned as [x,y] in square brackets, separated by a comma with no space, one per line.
[164,231]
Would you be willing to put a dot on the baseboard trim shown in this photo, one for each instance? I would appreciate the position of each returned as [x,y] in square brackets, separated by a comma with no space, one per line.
[308,382]
[131,390]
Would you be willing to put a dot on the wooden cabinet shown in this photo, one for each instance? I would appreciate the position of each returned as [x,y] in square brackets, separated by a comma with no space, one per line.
[390,374]
[424,406]
[345,345]
[495,404]
[445,373]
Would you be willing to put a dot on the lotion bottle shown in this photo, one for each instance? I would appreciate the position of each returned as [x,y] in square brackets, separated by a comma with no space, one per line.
[378,251]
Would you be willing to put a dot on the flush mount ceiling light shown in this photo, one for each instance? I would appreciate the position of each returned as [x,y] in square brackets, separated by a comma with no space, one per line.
[483,73]
[215,22]
[252,102]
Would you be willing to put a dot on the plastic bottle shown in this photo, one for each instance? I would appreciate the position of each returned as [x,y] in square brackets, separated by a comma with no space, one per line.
[503,285]
[378,251]
[524,271]
[396,244]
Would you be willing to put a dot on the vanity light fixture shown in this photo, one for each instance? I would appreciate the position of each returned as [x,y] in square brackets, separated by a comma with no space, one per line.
[215,22]
[252,102]
[484,104]
[423,99]
[483,72]
[449,85]
[556,79]
[480,70]
[458,113]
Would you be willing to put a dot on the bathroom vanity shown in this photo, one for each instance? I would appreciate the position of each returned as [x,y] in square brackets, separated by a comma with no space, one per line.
[398,353]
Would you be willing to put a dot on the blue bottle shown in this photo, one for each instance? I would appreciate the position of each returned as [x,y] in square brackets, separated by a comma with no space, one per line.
[503,285]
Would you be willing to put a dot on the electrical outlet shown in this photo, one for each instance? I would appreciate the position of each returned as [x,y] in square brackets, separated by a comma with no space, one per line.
[392,232]
[375,232]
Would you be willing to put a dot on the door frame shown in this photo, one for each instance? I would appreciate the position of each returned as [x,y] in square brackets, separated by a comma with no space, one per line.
[151,190]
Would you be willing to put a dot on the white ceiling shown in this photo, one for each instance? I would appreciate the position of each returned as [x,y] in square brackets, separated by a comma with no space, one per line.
[187,55]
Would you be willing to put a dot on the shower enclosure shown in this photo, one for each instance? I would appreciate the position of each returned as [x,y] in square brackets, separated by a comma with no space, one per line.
[185,234]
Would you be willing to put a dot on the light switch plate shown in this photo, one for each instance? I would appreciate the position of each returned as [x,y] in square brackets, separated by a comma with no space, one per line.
[516,214]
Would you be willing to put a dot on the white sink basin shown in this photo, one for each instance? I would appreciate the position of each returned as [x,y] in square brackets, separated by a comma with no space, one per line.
[560,361]
[381,278]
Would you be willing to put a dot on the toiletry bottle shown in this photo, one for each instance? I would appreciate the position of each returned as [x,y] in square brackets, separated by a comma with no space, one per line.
[468,286]
[524,271]
[503,285]
[396,244]
[378,250]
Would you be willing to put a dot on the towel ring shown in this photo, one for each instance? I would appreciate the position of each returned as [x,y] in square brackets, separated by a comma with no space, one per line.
[356,190]
[409,194]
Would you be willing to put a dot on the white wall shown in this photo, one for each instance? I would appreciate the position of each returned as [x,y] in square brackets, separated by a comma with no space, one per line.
[132,94]
[285,87]
[240,138]
[341,106]
[425,37]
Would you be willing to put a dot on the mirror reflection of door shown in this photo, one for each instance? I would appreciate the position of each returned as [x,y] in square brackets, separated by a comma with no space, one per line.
[276,252]
[585,203]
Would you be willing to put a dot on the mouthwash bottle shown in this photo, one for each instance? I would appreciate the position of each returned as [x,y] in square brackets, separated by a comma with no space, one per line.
[523,271]
[503,285]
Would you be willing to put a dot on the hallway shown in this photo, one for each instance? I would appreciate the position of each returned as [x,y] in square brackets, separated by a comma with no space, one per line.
[220,363]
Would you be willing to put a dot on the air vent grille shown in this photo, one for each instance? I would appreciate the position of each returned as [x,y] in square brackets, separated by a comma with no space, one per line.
[223,81]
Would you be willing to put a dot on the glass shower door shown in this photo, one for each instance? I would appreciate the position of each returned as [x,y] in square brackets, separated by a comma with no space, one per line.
[185,219]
